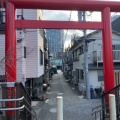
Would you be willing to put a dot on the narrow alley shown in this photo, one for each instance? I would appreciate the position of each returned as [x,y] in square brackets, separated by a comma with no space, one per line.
[74,107]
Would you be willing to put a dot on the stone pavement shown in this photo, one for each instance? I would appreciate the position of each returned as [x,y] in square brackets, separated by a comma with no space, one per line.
[74,106]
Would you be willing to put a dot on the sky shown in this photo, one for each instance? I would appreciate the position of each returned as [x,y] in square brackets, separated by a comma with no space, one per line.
[65,16]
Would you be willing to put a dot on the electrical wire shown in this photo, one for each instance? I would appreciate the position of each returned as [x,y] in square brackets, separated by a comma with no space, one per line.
[27,53]
[21,39]
[67,29]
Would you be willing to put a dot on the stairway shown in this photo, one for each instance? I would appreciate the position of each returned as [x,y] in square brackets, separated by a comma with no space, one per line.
[102,112]
[23,102]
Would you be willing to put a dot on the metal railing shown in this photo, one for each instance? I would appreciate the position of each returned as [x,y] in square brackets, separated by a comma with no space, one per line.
[98,56]
[102,112]
[20,105]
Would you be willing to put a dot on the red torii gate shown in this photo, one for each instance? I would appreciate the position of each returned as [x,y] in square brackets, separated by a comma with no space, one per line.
[104,6]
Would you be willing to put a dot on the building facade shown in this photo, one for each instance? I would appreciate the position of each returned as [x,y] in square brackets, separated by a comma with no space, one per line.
[55,41]
[95,60]
[30,53]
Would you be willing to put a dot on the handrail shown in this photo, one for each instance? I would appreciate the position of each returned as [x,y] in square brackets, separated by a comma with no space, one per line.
[19,108]
[13,84]
[99,110]
[23,88]
[19,99]
[30,107]
[100,106]
[11,100]
[97,107]
[110,91]
[102,50]
[103,108]
[26,100]
[31,112]
[8,84]
[27,105]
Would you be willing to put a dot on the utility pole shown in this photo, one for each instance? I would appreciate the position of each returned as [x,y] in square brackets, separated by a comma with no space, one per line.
[86,73]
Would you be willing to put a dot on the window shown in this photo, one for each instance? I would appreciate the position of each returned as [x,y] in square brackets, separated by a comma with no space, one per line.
[24,52]
[78,76]
[41,57]
[116,47]
[81,50]
[100,75]
[81,75]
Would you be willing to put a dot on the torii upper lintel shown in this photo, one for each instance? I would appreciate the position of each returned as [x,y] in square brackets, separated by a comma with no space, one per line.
[82,5]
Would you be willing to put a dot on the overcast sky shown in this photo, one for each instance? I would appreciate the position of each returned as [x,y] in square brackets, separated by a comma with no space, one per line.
[65,15]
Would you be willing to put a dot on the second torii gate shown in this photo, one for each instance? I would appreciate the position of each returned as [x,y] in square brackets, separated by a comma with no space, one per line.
[104,6]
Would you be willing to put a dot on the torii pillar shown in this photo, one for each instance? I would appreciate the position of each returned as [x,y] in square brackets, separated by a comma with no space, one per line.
[10,55]
[107,50]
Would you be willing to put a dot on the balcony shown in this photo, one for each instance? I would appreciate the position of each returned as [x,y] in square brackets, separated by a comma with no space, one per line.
[98,57]
[76,58]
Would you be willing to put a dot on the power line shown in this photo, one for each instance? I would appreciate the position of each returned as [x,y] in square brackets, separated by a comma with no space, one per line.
[67,29]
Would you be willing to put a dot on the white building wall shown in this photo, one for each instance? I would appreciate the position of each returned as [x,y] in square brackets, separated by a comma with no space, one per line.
[19,62]
[26,67]
[32,55]
[75,65]
[34,41]
[31,46]
[40,44]
[93,79]
[81,61]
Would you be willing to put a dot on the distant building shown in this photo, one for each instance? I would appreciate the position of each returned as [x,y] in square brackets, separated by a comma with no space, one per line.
[55,41]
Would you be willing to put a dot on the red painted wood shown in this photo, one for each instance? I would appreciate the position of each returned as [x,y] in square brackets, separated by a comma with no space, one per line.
[83,5]
[10,49]
[57,24]
[107,50]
